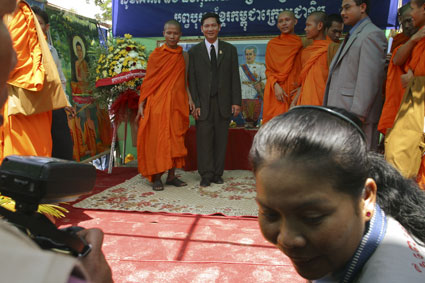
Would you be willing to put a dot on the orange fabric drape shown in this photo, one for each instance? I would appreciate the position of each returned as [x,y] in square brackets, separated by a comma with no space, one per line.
[283,64]
[393,95]
[160,137]
[79,149]
[314,73]
[90,136]
[26,134]
[398,40]
[20,134]
[105,127]
[332,50]
[29,71]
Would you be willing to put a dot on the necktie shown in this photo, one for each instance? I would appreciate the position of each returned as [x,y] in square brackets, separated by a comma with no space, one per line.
[214,72]
[345,40]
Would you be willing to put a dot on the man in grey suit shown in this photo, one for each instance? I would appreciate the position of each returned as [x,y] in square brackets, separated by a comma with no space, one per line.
[216,91]
[357,72]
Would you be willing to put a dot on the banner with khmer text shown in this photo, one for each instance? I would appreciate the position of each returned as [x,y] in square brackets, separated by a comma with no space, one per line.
[145,18]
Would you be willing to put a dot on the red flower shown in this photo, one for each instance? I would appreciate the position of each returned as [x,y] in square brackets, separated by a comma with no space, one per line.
[117,200]
[119,190]
[128,49]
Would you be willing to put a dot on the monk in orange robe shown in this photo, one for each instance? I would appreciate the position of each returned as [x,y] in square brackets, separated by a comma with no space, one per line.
[412,54]
[395,88]
[163,113]
[283,65]
[405,19]
[314,61]
[34,89]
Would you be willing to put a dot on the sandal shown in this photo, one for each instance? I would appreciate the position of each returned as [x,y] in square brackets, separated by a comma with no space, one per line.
[176,182]
[157,186]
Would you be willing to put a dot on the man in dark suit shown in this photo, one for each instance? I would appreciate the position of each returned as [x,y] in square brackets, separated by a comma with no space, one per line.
[357,72]
[216,91]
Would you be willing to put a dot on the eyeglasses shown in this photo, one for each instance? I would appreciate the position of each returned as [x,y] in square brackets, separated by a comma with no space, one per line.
[346,7]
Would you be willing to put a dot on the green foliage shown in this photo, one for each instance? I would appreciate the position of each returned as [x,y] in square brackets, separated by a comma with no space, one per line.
[105,7]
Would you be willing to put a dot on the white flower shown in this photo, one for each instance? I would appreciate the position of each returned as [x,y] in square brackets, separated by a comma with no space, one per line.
[133,54]
[139,66]
[121,59]
[117,69]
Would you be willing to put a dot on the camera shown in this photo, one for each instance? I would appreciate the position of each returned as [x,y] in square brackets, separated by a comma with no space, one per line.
[30,181]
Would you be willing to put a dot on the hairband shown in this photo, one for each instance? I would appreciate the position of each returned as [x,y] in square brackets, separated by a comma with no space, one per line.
[335,113]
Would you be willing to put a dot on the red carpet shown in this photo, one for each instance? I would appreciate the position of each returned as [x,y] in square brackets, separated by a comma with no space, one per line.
[153,247]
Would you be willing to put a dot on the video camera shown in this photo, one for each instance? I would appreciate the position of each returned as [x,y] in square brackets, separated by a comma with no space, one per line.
[30,181]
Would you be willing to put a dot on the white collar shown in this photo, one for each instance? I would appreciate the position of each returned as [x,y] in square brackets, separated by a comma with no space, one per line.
[208,45]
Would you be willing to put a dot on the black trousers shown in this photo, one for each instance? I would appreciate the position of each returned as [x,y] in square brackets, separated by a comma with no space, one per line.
[211,141]
[62,145]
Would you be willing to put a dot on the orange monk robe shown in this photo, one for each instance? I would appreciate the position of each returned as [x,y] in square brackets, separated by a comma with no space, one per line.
[105,128]
[29,71]
[398,40]
[160,137]
[314,73]
[79,150]
[283,65]
[417,64]
[90,136]
[332,50]
[21,134]
[394,92]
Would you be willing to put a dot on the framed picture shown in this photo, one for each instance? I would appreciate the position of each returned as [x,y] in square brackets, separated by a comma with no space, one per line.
[252,72]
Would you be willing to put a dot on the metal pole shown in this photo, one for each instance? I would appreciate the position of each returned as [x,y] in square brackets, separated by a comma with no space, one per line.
[112,154]
[125,138]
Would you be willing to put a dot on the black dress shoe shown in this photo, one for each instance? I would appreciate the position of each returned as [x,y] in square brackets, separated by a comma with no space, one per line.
[218,180]
[205,182]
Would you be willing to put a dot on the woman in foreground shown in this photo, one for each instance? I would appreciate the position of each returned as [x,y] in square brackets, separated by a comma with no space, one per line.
[339,213]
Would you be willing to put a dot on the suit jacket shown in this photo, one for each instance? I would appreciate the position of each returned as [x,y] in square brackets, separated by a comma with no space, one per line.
[357,73]
[229,88]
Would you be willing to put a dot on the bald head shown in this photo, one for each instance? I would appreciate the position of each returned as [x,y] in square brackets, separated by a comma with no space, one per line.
[287,13]
[315,26]
[405,19]
[286,22]
[418,2]
[318,17]
[173,23]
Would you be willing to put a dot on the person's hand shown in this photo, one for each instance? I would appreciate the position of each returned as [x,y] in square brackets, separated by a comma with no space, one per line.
[258,87]
[294,91]
[197,113]
[70,111]
[140,111]
[279,92]
[418,35]
[405,78]
[191,107]
[236,109]
[94,262]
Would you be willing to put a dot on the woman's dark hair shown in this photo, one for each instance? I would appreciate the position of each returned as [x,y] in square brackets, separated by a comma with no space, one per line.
[399,197]
[334,148]
[315,137]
